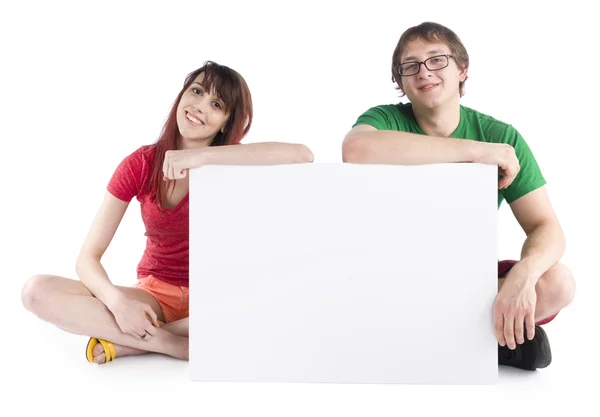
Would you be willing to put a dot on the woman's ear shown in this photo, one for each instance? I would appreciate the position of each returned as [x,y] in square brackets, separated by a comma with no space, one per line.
[227,120]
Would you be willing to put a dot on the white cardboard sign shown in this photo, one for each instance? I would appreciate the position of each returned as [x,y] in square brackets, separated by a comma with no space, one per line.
[343,273]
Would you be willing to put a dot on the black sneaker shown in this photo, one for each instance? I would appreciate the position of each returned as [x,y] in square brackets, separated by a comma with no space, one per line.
[531,355]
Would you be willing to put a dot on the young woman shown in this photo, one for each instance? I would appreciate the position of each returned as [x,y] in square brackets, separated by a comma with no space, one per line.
[210,116]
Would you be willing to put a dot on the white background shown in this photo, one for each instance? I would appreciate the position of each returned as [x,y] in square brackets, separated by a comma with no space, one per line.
[82,84]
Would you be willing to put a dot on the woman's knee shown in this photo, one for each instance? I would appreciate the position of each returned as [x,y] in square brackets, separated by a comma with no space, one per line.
[34,291]
[39,289]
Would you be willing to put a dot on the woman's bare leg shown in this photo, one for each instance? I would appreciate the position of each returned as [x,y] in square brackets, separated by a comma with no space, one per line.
[179,328]
[69,305]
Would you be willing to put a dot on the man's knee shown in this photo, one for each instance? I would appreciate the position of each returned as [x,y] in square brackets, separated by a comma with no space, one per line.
[557,285]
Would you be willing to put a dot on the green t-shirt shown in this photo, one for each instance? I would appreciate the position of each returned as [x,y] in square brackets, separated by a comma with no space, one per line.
[475,126]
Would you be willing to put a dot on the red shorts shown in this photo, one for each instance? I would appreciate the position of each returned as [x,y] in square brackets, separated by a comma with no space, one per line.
[503,268]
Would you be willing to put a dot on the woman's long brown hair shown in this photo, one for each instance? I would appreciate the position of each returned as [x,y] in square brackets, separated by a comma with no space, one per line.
[231,87]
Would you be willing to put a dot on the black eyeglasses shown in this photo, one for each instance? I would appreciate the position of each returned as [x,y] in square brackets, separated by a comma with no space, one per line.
[433,63]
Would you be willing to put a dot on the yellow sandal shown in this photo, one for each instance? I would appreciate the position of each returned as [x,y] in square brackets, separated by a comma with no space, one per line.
[109,349]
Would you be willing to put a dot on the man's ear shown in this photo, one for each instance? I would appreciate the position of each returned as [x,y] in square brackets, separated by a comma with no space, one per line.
[401,87]
[463,74]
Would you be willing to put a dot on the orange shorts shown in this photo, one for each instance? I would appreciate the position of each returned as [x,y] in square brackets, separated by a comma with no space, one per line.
[173,299]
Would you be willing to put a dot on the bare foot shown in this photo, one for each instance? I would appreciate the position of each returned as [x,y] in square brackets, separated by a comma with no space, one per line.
[100,356]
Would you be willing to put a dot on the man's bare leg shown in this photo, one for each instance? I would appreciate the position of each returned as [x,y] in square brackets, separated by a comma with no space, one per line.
[554,290]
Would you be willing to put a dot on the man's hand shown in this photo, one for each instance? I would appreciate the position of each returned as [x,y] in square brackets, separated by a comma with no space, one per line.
[513,308]
[500,154]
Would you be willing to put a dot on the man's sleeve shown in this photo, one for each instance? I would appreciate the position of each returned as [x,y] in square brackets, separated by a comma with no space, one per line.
[376,117]
[530,176]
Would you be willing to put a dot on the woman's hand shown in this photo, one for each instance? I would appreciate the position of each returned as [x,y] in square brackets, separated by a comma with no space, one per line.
[178,162]
[135,317]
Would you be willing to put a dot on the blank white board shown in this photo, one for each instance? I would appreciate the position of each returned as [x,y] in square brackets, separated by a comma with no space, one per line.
[343,273]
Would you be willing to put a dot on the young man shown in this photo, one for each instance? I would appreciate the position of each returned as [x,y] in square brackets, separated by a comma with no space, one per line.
[430,66]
